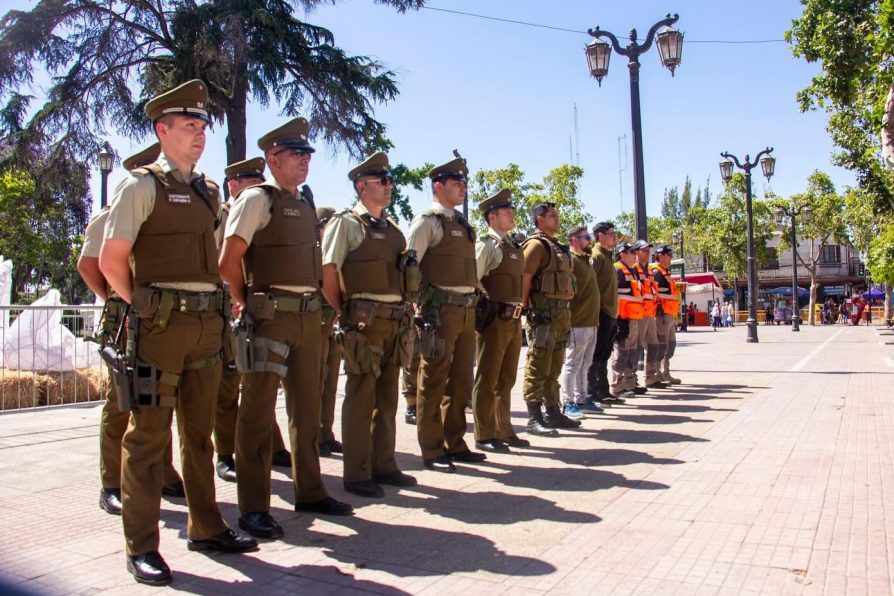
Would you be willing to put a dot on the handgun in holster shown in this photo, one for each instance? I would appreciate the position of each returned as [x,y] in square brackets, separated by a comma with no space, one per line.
[243,329]
[122,371]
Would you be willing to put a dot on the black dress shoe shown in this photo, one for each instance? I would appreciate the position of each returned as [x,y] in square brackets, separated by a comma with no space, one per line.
[327,506]
[332,445]
[228,541]
[516,441]
[657,385]
[110,500]
[261,525]
[467,456]
[395,478]
[282,458]
[439,464]
[365,488]
[410,415]
[226,468]
[149,568]
[640,390]
[495,445]
[324,450]
[174,490]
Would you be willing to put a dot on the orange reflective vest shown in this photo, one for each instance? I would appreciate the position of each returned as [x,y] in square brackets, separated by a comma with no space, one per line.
[649,291]
[630,300]
[667,297]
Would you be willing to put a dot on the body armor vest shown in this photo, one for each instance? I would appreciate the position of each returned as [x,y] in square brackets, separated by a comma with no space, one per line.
[371,268]
[176,243]
[504,284]
[452,261]
[554,281]
[286,251]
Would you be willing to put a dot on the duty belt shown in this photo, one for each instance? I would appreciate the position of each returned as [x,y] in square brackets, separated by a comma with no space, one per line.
[192,301]
[508,310]
[455,298]
[303,303]
[391,312]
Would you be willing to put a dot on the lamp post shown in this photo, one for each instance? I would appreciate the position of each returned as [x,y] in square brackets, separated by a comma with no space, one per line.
[106,160]
[781,213]
[678,238]
[670,47]
[768,166]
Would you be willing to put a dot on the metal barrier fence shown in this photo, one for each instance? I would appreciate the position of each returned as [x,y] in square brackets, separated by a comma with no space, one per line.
[44,360]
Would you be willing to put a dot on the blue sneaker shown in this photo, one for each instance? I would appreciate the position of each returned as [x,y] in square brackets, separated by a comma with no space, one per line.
[572,411]
[591,406]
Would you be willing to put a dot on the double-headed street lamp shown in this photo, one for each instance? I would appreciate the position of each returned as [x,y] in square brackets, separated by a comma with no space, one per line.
[781,213]
[670,47]
[106,160]
[679,238]
[768,165]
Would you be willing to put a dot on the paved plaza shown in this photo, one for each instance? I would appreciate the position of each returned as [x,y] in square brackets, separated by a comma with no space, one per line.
[771,470]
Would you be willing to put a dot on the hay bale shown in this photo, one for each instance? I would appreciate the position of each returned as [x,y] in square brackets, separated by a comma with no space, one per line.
[18,389]
[77,386]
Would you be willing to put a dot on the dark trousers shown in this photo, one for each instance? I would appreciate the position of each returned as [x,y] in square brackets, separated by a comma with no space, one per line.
[597,376]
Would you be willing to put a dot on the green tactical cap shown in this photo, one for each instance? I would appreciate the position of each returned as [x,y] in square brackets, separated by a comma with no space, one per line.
[455,169]
[503,198]
[144,157]
[324,214]
[249,168]
[291,135]
[189,99]
[374,165]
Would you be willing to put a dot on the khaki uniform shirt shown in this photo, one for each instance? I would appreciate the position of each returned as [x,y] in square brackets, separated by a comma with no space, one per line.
[250,214]
[133,203]
[488,254]
[426,232]
[93,235]
[343,234]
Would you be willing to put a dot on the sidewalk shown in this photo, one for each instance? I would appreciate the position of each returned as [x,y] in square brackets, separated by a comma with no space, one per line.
[770,470]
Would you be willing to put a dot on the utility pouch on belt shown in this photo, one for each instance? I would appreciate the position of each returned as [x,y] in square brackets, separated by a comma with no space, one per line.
[485,313]
[541,335]
[360,357]
[408,264]
[360,313]
[261,306]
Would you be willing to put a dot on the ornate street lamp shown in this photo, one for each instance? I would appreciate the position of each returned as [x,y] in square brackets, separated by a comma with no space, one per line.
[791,214]
[670,49]
[768,165]
[106,159]
[678,238]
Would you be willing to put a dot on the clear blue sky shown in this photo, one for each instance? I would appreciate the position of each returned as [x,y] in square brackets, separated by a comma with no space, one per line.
[504,93]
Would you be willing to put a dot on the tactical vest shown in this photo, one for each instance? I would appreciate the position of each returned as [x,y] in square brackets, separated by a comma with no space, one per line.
[176,242]
[555,281]
[371,268]
[452,262]
[504,284]
[648,291]
[666,290]
[630,302]
[286,251]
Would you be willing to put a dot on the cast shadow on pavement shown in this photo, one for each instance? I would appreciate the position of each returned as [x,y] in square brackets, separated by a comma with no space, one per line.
[598,457]
[652,418]
[645,437]
[682,408]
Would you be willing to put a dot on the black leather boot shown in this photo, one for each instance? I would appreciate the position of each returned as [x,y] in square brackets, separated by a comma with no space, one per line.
[535,422]
[556,419]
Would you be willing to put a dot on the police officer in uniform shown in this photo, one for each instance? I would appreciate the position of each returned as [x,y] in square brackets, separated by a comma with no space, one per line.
[666,326]
[445,246]
[112,421]
[500,266]
[271,258]
[364,281]
[331,353]
[547,288]
[630,314]
[647,351]
[163,220]
[239,176]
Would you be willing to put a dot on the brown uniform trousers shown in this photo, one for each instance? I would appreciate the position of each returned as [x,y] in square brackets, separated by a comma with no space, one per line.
[368,414]
[546,354]
[441,413]
[498,350]
[188,338]
[301,332]
[331,359]
[409,378]
[228,411]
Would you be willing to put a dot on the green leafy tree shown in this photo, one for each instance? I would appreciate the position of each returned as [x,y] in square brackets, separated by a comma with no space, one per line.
[656,227]
[826,225]
[881,255]
[97,53]
[853,42]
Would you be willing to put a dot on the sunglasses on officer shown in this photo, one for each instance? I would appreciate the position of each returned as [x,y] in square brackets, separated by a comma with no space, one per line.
[299,153]
[384,180]
[584,237]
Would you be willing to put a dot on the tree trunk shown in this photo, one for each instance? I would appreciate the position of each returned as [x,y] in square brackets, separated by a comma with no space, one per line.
[236,124]
[887,289]
[811,315]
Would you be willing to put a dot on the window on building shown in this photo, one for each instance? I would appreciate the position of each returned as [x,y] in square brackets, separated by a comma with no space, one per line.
[830,254]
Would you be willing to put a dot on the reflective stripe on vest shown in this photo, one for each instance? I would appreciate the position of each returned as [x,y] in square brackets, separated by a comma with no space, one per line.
[630,301]
[670,302]
[650,290]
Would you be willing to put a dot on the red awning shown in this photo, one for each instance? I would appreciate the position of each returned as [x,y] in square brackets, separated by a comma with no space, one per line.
[700,278]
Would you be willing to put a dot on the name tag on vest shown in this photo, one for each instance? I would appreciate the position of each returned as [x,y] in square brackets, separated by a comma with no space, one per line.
[512,255]
[291,212]
[179,199]
[457,233]
[378,235]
